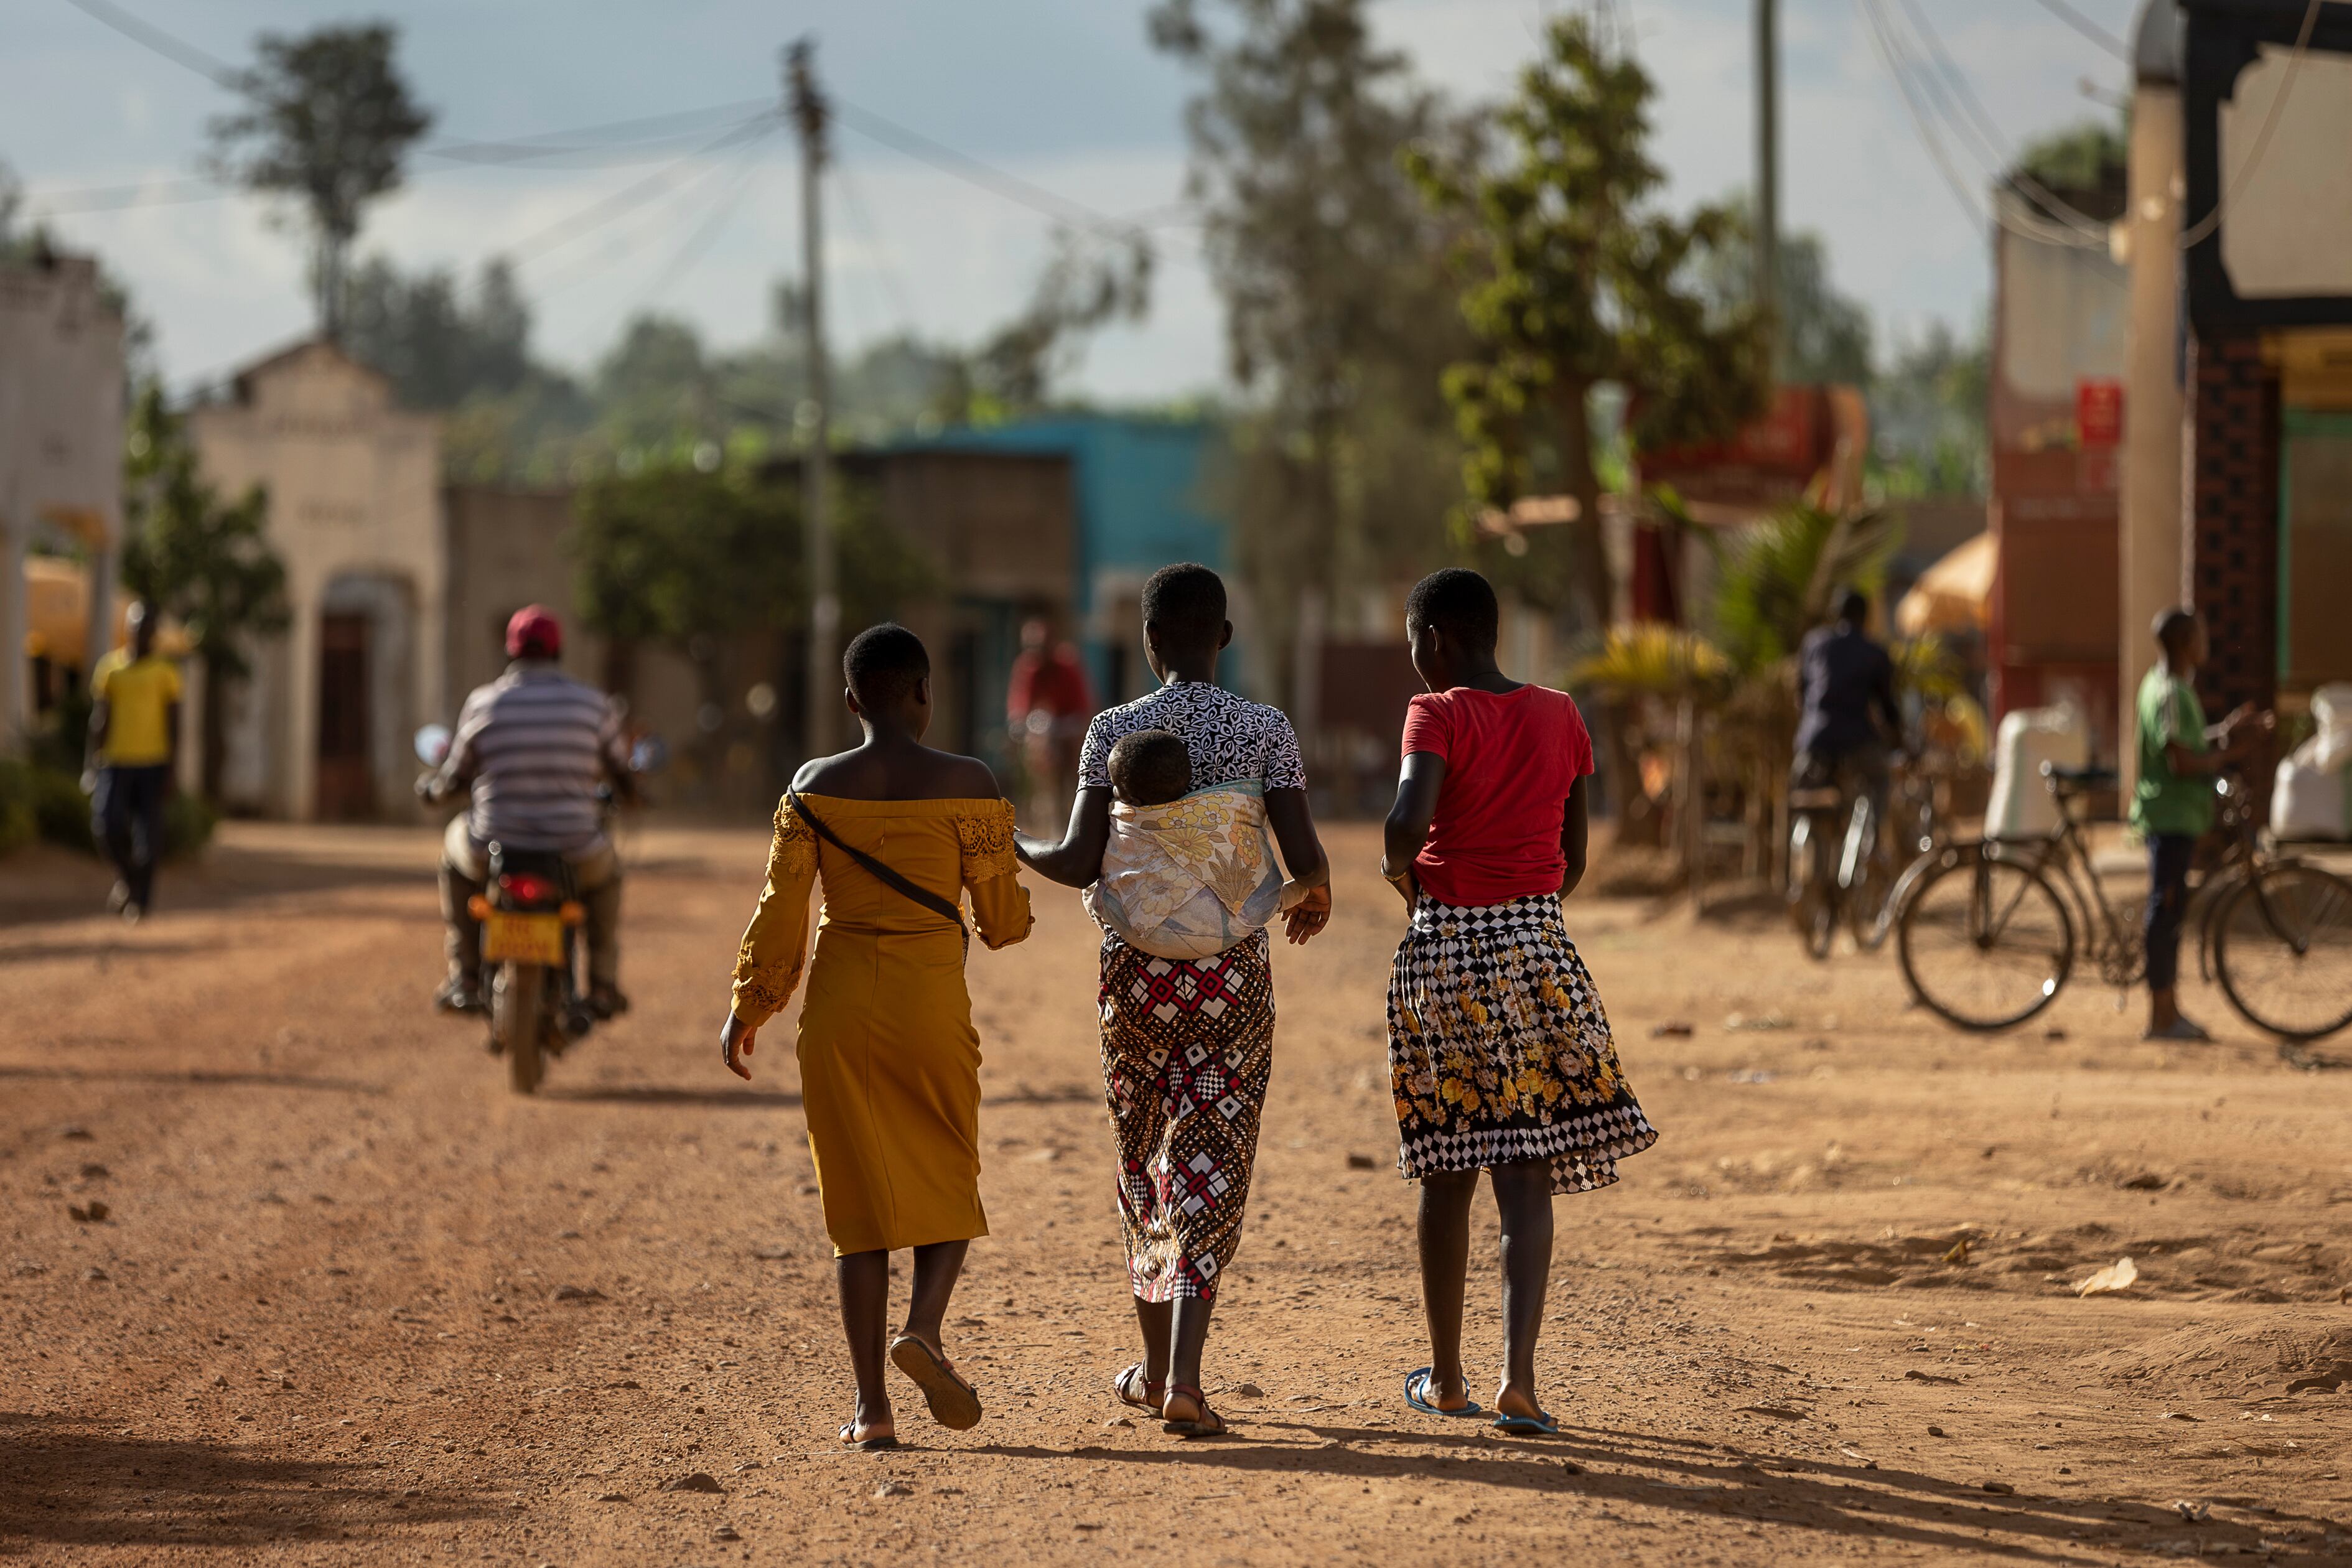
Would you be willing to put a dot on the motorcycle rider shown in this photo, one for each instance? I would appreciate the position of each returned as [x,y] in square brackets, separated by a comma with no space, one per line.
[533,746]
[1851,723]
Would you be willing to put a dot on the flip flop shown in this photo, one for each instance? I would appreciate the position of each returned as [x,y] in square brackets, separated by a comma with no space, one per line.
[1210,1424]
[1539,1425]
[1133,1378]
[866,1445]
[955,1404]
[1414,1382]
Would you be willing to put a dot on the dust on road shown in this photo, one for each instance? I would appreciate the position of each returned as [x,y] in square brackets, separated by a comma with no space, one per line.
[350,1301]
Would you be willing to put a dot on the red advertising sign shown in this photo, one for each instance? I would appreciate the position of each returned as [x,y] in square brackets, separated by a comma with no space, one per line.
[2099,410]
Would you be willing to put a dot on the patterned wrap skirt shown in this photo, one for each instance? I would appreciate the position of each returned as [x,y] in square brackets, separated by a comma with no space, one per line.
[1500,1051]
[1187,1050]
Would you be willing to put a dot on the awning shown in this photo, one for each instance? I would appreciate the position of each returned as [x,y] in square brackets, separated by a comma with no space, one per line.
[56,616]
[1955,594]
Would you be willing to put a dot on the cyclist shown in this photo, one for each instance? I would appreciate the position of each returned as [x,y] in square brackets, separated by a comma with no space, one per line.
[2172,804]
[1851,725]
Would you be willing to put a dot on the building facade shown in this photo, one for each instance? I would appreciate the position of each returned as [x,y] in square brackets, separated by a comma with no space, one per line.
[61,408]
[2238,468]
[323,731]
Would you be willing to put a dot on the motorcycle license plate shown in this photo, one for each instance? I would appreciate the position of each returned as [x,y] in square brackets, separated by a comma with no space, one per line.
[523,938]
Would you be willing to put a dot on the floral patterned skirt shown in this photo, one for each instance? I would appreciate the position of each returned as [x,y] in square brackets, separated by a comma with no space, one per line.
[1500,1051]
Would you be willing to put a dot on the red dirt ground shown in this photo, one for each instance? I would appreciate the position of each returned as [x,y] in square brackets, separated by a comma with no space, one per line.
[326,1318]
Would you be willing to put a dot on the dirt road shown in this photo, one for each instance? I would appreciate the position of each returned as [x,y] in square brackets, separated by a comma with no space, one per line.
[351,1302]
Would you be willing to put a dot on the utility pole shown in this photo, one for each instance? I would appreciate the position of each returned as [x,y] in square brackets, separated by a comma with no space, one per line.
[809,113]
[1768,157]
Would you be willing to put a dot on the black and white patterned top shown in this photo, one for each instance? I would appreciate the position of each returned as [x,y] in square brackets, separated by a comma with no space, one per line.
[1229,738]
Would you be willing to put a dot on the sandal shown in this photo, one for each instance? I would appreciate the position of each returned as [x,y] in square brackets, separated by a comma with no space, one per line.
[1125,1384]
[1421,1393]
[867,1445]
[1208,1423]
[955,1404]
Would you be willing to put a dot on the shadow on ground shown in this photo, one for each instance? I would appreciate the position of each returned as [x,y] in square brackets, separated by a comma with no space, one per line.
[65,1483]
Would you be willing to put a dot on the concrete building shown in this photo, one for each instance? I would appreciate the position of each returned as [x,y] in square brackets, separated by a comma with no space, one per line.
[2237,467]
[61,407]
[323,731]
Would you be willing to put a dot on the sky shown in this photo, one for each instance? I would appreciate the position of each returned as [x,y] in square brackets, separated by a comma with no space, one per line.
[1064,96]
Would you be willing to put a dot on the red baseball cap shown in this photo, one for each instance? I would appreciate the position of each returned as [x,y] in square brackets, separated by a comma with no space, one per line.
[533,632]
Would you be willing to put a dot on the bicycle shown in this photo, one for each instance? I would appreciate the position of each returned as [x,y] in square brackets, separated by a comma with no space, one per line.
[1988,929]
[1858,883]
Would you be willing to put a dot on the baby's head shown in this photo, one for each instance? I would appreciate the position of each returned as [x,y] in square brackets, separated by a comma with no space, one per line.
[1150,767]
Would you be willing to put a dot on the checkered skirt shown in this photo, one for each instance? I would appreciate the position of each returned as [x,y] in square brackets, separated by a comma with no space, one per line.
[1500,1051]
[1187,1049]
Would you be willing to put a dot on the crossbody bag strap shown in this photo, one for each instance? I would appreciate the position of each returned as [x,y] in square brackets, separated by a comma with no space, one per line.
[880,872]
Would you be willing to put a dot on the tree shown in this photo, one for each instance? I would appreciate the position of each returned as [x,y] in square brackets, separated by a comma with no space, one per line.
[327,120]
[1821,334]
[439,348]
[205,563]
[698,560]
[1573,281]
[1338,319]
[1927,416]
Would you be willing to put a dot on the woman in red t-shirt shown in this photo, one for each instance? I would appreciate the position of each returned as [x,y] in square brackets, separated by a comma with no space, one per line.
[1499,1050]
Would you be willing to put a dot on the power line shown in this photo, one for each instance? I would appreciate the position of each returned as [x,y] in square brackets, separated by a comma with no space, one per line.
[971,171]
[179,51]
[1881,35]
[595,215]
[2088,28]
[1972,109]
[892,283]
[684,259]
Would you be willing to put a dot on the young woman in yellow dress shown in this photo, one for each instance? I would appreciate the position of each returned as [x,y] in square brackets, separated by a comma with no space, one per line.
[897,835]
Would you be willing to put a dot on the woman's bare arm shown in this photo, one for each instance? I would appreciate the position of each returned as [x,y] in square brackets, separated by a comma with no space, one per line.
[1575,836]
[1407,828]
[1075,860]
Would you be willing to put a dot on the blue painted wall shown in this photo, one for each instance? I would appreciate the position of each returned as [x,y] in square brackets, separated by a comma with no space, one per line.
[1142,501]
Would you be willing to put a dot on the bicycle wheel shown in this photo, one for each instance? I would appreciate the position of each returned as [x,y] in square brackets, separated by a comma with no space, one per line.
[1872,871]
[1812,904]
[1985,943]
[2283,952]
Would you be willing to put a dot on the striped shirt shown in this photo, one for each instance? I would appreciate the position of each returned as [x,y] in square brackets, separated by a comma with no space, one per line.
[535,743]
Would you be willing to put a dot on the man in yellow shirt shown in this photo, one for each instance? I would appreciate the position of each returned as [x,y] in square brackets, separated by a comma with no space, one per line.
[134,722]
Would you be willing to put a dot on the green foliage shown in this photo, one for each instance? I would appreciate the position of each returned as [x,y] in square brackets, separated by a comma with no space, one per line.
[2078,163]
[205,561]
[1574,280]
[1927,416]
[326,120]
[1651,659]
[689,558]
[1337,308]
[438,347]
[1776,577]
[1821,335]
[19,824]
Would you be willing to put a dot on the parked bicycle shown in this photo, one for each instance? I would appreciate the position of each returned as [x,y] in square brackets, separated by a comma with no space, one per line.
[1989,932]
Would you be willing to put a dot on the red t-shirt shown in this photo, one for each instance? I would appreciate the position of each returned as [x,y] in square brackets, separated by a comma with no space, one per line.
[1510,758]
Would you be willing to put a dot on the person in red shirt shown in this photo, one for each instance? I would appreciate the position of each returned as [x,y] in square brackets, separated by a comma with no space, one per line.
[1499,1052]
[1046,706]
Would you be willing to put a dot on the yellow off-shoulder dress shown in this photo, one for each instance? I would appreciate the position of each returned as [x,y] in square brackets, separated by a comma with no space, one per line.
[889,1060]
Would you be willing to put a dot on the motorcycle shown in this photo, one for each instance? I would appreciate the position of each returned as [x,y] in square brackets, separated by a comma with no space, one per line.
[532,925]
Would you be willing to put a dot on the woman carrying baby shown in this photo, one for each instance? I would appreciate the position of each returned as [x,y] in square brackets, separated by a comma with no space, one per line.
[1184,885]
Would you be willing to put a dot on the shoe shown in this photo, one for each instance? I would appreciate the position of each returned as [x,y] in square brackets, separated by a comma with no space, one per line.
[458,995]
[117,897]
[133,912]
[2180,1029]
[608,1002]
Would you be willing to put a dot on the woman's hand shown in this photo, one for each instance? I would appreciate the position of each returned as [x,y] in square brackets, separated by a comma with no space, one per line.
[1308,916]
[735,1043]
[1407,885]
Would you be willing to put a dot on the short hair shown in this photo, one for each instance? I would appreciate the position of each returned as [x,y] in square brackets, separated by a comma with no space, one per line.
[1150,767]
[1459,602]
[884,664]
[2173,627]
[1853,604]
[1186,602]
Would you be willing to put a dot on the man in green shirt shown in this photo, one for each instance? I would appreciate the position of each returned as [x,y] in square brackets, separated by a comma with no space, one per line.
[2172,805]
